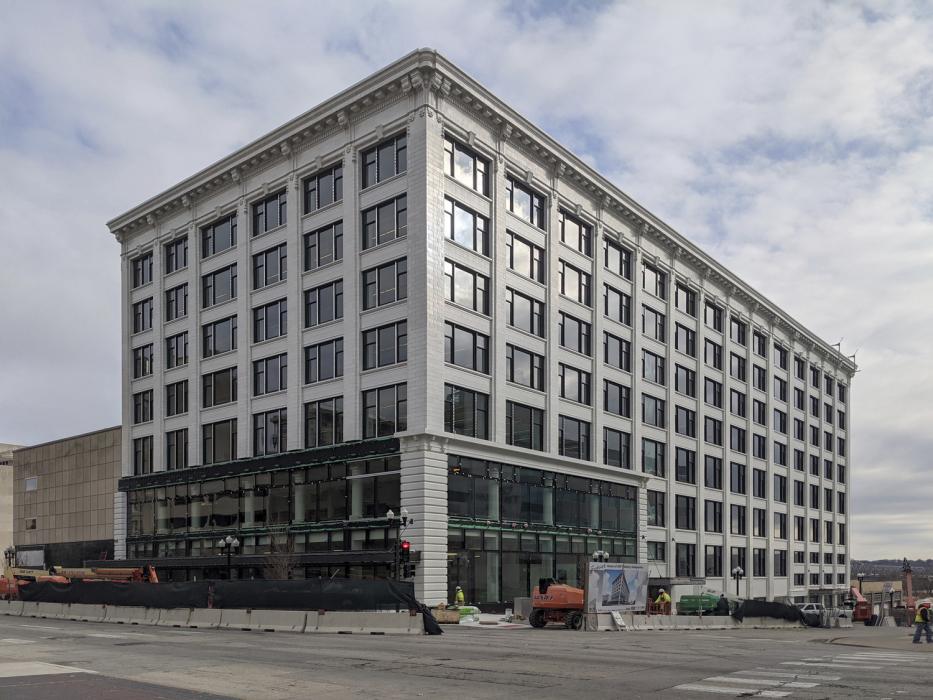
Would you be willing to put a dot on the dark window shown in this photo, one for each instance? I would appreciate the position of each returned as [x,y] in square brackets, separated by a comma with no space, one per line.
[713,560]
[652,368]
[385,222]
[218,287]
[654,281]
[712,431]
[617,305]
[270,374]
[466,412]
[652,457]
[523,367]
[219,337]
[387,345]
[465,287]
[576,234]
[573,438]
[575,334]
[617,448]
[713,316]
[385,411]
[270,213]
[142,360]
[324,422]
[686,560]
[142,455]
[759,446]
[176,351]
[142,315]
[384,160]
[685,299]
[270,266]
[616,399]
[685,340]
[219,441]
[176,449]
[142,270]
[712,477]
[656,509]
[738,331]
[780,526]
[685,462]
[176,302]
[712,520]
[219,387]
[142,407]
[759,562]
[466,227]
[759,344]
[712,392]
[270,321]
[653,324]
[323,246]
[524,203]
[524,426]
[737,439]
[737,367]
[617,352]
[737,520]
[218,236]
[685,512]
[617,259]
[324,303]
[465,166]
[685,422]
[780,356]
[176,255]
[574,283]
[324,361]
[574,384]
[270,432]
[737,403]
[323,188]
[780,389]
[712,354]
[737,477]
[525,257]
[759,483]
[524,313]
[176,398]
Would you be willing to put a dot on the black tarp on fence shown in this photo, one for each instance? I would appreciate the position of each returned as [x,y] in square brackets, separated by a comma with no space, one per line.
[192,594]
[763,608]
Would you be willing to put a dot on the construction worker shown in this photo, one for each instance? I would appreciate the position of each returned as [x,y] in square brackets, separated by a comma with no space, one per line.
[664,602]
[722,606]
[459,598]
[922,622]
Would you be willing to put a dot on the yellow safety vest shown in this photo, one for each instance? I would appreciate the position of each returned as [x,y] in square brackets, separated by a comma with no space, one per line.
[459,598]
[918,617]
[663,598]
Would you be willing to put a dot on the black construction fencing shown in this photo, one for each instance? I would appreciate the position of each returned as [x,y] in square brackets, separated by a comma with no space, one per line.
[192,594]
[763,608]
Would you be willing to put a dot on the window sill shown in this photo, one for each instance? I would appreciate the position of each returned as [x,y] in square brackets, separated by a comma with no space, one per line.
[232,351]
[477,372]
[277,392]
[450,178]
[469,310]
[319,210]
[385,244]
[217,305]
[325,324]
[472,251]
[388,305]
[541,392]
[267,341]
[373,370]
[270,285]
[214,256]
[256,236]
[385,181]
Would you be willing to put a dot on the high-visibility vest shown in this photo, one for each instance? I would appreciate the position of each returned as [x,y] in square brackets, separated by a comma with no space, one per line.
[919,616]
[459,598]
[663,598]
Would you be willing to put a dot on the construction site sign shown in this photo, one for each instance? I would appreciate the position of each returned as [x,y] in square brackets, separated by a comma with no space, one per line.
[615,587]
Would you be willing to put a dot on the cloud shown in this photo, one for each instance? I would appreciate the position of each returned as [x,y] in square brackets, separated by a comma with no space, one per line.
[794,142]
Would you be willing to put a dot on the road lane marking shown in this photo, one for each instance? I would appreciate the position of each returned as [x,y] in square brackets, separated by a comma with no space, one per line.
[15,669]
[720,690]
[830,665]
[756,681]
[17,641]
[779,674]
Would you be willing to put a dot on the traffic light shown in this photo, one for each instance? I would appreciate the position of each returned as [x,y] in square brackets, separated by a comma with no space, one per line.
[404,552]
[408,571]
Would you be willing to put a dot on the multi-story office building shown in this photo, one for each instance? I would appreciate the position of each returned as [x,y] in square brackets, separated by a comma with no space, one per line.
[411,297]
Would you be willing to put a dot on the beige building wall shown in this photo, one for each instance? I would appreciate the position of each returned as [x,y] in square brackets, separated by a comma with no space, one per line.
[63,497]
[6,495]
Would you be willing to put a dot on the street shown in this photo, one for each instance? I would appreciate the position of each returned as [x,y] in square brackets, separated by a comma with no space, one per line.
[46,659]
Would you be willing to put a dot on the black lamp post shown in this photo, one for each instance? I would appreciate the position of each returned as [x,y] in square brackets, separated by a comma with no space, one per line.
[9,555]
[737,574]
[860,577]
[228,543]
[400,523]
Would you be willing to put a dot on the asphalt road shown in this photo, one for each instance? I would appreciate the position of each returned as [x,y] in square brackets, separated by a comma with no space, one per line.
[51,659]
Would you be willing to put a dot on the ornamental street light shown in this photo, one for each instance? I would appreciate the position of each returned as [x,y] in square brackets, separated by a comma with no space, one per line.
[9,555]
[228,543]
[737,574]
[400,524]
[860,577]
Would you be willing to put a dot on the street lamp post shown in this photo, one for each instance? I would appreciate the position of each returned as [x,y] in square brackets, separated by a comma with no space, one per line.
[400,523]
[228,543]
[9,555]
[860,577]
[737,574]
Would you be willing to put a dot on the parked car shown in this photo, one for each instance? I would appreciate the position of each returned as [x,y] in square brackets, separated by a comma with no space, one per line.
[811,607]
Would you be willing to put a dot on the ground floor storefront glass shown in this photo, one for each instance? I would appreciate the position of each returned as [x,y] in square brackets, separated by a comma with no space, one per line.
[511,526]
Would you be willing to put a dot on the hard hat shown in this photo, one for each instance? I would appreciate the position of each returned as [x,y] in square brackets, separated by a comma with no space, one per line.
[458,588]
[660,590]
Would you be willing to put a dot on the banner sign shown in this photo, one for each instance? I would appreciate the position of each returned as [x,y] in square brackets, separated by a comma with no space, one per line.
[617,587]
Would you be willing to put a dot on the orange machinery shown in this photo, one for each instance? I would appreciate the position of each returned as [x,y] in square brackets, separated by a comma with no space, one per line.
[556,602]
[15,577]
[136,574]
[861,612]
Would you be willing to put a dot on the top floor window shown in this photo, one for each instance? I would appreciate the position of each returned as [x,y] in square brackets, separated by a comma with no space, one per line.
[323,188]
[576,234]
[218,236]
[654,281]
[176,255]
[385,159]
[524,203]
[464,166]
[270,213]
[142,270]
[737,331]
[780,356]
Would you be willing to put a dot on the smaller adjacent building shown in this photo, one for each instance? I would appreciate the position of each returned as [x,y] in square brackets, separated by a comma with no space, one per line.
[62,499]
[6,495]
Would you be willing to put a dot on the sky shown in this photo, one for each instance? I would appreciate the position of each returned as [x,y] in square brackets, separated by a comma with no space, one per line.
[792,141]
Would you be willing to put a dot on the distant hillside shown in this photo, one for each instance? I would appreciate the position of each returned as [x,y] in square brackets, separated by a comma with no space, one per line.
[890,567]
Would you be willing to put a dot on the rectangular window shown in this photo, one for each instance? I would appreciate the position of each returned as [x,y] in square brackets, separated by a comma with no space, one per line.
[799,493]
[270,321]
[685,340]
[574,384]
[713,316]
[685,381]
[270,374]
[780,389]
[142,315]
[686,560]
[685,299]
[780,356]
[323,246]
[142,360]
[384,160]
[142,270]
[465,227]
[573,438]
[737,331]
[759,344]
[712,354]
[218,287]
[465,287]
[652,368]
[759,446]
[799,368]
[685,422]
[218,388]
[575,334]
[385,411]
[780,421]
[737,438]
[270,266]
[323,188]
[759,483]
[617,352]
[176,398]
[656,509]
[685,465]
[780,488]
[737,403]
[799,529]
[712,472]
[219,442]
[737,520]
[841,390]
[576,234]
[712,392]
[653,324]
[616,399]
[218,236]
[219,337]
[654,281]
[324,422]
[176,255]
[712,431]
[617,259]
[176,449]
[780,453]
[656,551]
[142,407]
[685,512]
[617,305]
[176,350]
[574,283]
[142,455]
[737,477]
[652,411]
[524,313]
[523,367]
[524,426]
[524,202]
[388,345]
[465,166]
[270,213]
[759,561]
[737,367]
[324,303]
[270,432]
[652,457]
[713,560]
[176,302]
[617,448]
[712,520]
[525,258]
[324,361]
[466,412]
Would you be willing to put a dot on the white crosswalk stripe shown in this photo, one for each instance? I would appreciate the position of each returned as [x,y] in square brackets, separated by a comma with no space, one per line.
[16,669]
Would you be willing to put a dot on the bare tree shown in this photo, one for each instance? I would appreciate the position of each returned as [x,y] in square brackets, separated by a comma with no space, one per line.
[281,559]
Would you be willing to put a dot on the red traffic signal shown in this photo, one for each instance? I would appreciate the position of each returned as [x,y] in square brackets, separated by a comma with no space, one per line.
[404,551]
[405,546]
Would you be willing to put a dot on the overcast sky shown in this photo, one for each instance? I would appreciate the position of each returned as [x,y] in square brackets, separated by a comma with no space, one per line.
[792,141]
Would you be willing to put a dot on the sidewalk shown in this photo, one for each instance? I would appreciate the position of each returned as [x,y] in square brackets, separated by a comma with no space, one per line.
[892,638]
